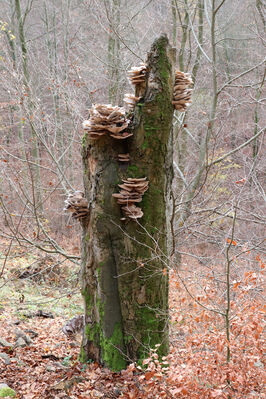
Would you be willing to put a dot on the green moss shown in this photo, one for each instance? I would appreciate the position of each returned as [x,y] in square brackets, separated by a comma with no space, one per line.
[111,355]
[132,170]
[149,130]
[84,140]
[164,64]
[154,216]
[152,325]
[6,391]
[88,300]
[82,355]
[100,308]
[145,145]
[152,126]
[92,333]
[128,339]
[87,237]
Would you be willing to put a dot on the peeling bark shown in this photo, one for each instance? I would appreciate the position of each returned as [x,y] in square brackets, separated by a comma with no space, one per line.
[124,263]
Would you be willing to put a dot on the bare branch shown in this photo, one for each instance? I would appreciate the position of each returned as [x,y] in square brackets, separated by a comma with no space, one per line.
[236,149]
[240,75]
[180,173]
[219,6]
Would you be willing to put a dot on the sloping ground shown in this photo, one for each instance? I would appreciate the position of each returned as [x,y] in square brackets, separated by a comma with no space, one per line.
[48,366]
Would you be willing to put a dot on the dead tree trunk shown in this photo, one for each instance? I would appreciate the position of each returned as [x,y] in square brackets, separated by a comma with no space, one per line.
[124,262]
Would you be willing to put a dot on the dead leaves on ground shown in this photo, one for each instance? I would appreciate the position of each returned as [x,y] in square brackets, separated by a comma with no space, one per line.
[195,368]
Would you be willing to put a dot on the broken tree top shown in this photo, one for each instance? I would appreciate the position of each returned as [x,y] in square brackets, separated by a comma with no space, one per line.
[182,91]
[107,120]
[131,192]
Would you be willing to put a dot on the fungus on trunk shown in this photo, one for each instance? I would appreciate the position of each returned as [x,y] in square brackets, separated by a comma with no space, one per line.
[124,284]
[77,204]
[131,100]
[182,91]
[132,192]
[137,75]
[107,120]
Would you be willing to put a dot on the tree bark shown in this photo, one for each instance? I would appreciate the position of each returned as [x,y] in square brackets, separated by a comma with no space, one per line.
[114,62]
[124,263]
[28,108]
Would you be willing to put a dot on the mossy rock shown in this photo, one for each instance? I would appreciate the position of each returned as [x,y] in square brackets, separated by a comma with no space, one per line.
[7,392]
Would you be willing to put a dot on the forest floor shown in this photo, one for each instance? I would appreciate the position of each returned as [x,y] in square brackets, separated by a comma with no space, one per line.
[197,366]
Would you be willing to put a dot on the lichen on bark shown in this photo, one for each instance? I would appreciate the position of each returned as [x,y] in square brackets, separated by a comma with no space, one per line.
[124,282]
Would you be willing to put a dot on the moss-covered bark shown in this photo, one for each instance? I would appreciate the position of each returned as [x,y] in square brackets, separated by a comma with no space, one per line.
[124,278]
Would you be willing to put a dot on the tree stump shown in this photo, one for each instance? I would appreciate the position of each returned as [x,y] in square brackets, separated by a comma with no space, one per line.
[124,262]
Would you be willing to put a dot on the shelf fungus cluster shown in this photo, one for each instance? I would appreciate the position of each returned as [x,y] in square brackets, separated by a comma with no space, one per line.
[107,120]
[131,193]
[131,100]
[77,204]
[137,75]
[182,91]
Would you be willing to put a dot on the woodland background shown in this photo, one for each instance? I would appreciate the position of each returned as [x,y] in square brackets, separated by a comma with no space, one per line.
[56,59]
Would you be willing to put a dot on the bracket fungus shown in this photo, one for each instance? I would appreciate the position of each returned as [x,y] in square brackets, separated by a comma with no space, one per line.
[77,204]
[137,75]
[107,120]
[131,192]
[124,157]
[182,90]
[130,100]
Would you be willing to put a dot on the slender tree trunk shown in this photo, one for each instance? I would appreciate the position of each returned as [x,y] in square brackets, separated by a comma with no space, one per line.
[180,133]
[174,22]
[259,92]
[184,39]
[114,50]
[124,263]
[28,107]
[200,39]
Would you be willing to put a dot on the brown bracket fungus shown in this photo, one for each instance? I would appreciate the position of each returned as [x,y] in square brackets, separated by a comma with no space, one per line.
[131,100]
[137,75]
[77,204]
[182,91]
[132,211]
[107,120]
[131,192]
[123,157]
